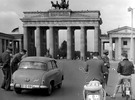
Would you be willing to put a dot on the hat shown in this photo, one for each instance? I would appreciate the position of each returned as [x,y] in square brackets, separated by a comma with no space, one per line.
[9,48]
[105,52]
[23,50]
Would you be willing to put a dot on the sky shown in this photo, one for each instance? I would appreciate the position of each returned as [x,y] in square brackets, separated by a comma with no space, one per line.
[114,13]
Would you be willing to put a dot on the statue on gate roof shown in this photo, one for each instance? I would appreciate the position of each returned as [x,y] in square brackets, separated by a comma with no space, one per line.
[63,4]
[56,6]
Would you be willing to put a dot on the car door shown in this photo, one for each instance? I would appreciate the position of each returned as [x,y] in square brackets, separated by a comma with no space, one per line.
[58,75]
[51,73]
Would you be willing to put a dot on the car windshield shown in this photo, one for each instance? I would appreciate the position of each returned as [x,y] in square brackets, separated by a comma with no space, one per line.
[33,65]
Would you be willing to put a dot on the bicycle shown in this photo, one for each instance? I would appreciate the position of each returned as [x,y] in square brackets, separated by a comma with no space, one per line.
[126,88]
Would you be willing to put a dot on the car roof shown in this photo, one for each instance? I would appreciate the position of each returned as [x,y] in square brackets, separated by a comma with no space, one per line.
[37,59]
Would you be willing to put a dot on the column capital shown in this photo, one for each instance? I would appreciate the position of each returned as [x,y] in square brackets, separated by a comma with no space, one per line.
[82,26]
[51,26]
[37,26]
[68,26]
[96,26]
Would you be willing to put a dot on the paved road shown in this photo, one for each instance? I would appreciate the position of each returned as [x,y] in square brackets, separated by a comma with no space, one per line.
[72,85]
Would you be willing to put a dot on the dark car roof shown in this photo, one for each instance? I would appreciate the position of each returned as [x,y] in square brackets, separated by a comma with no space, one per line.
[38,59]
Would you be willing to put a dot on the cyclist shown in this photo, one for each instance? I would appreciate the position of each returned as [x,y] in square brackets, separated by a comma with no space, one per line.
[95,68]
[125,69]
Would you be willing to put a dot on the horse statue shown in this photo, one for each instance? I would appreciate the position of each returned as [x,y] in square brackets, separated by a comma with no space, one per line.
[63,4]
[55,5]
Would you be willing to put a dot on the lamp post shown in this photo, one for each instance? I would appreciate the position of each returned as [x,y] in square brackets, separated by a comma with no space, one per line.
[132,42]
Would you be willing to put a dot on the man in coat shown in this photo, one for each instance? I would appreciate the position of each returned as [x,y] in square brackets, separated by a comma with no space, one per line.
[106,64]
[95,69]
[6,57]
[16,59]
[48,54]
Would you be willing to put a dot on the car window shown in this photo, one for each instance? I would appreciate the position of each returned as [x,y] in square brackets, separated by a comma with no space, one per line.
[49,65]
[33,65]
[54,64]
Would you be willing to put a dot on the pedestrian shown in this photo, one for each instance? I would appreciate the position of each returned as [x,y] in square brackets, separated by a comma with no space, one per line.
[105,58]
[95,69]
[16,59]
[48,54]
[6,58]
[125,69]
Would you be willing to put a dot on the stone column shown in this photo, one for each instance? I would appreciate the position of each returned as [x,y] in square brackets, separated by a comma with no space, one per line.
[5,45]
[37,41]
[102,47]
[116,49]
[131,53]
[110,48]
[119,48]
[51,41]
[83,42]
[25,38]
[69,43]
[96,39]
[20,44]
[1,46]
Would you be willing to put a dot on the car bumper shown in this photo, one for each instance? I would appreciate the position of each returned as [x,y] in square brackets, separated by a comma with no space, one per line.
[28,86]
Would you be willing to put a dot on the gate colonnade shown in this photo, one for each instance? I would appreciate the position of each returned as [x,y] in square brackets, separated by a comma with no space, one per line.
[36,24]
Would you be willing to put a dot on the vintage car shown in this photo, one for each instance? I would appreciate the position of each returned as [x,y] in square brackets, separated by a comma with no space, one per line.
[37,73]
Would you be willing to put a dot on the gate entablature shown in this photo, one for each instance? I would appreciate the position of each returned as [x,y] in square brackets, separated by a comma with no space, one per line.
[66,17]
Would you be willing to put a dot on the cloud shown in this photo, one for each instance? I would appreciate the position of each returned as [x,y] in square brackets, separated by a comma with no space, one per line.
[6,14]
[112,11]
[8,21]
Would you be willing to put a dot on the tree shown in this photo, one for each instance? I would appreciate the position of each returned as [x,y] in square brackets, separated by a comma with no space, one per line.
[77,54]
[63,49]
[63,46]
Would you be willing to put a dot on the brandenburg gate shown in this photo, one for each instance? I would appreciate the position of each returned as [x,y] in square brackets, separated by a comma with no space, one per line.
[36,24]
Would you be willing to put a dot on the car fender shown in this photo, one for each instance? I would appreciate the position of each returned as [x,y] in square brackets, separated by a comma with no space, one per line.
[47,78]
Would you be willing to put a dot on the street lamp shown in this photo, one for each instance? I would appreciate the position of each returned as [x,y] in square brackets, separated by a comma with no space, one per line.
[131,44]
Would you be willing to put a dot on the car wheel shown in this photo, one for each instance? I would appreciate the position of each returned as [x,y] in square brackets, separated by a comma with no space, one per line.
[60,85]
[18,90]
[49,90]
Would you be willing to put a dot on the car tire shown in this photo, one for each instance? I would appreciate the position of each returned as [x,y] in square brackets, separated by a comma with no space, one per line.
[18,90]
[59,85]
[49,90]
